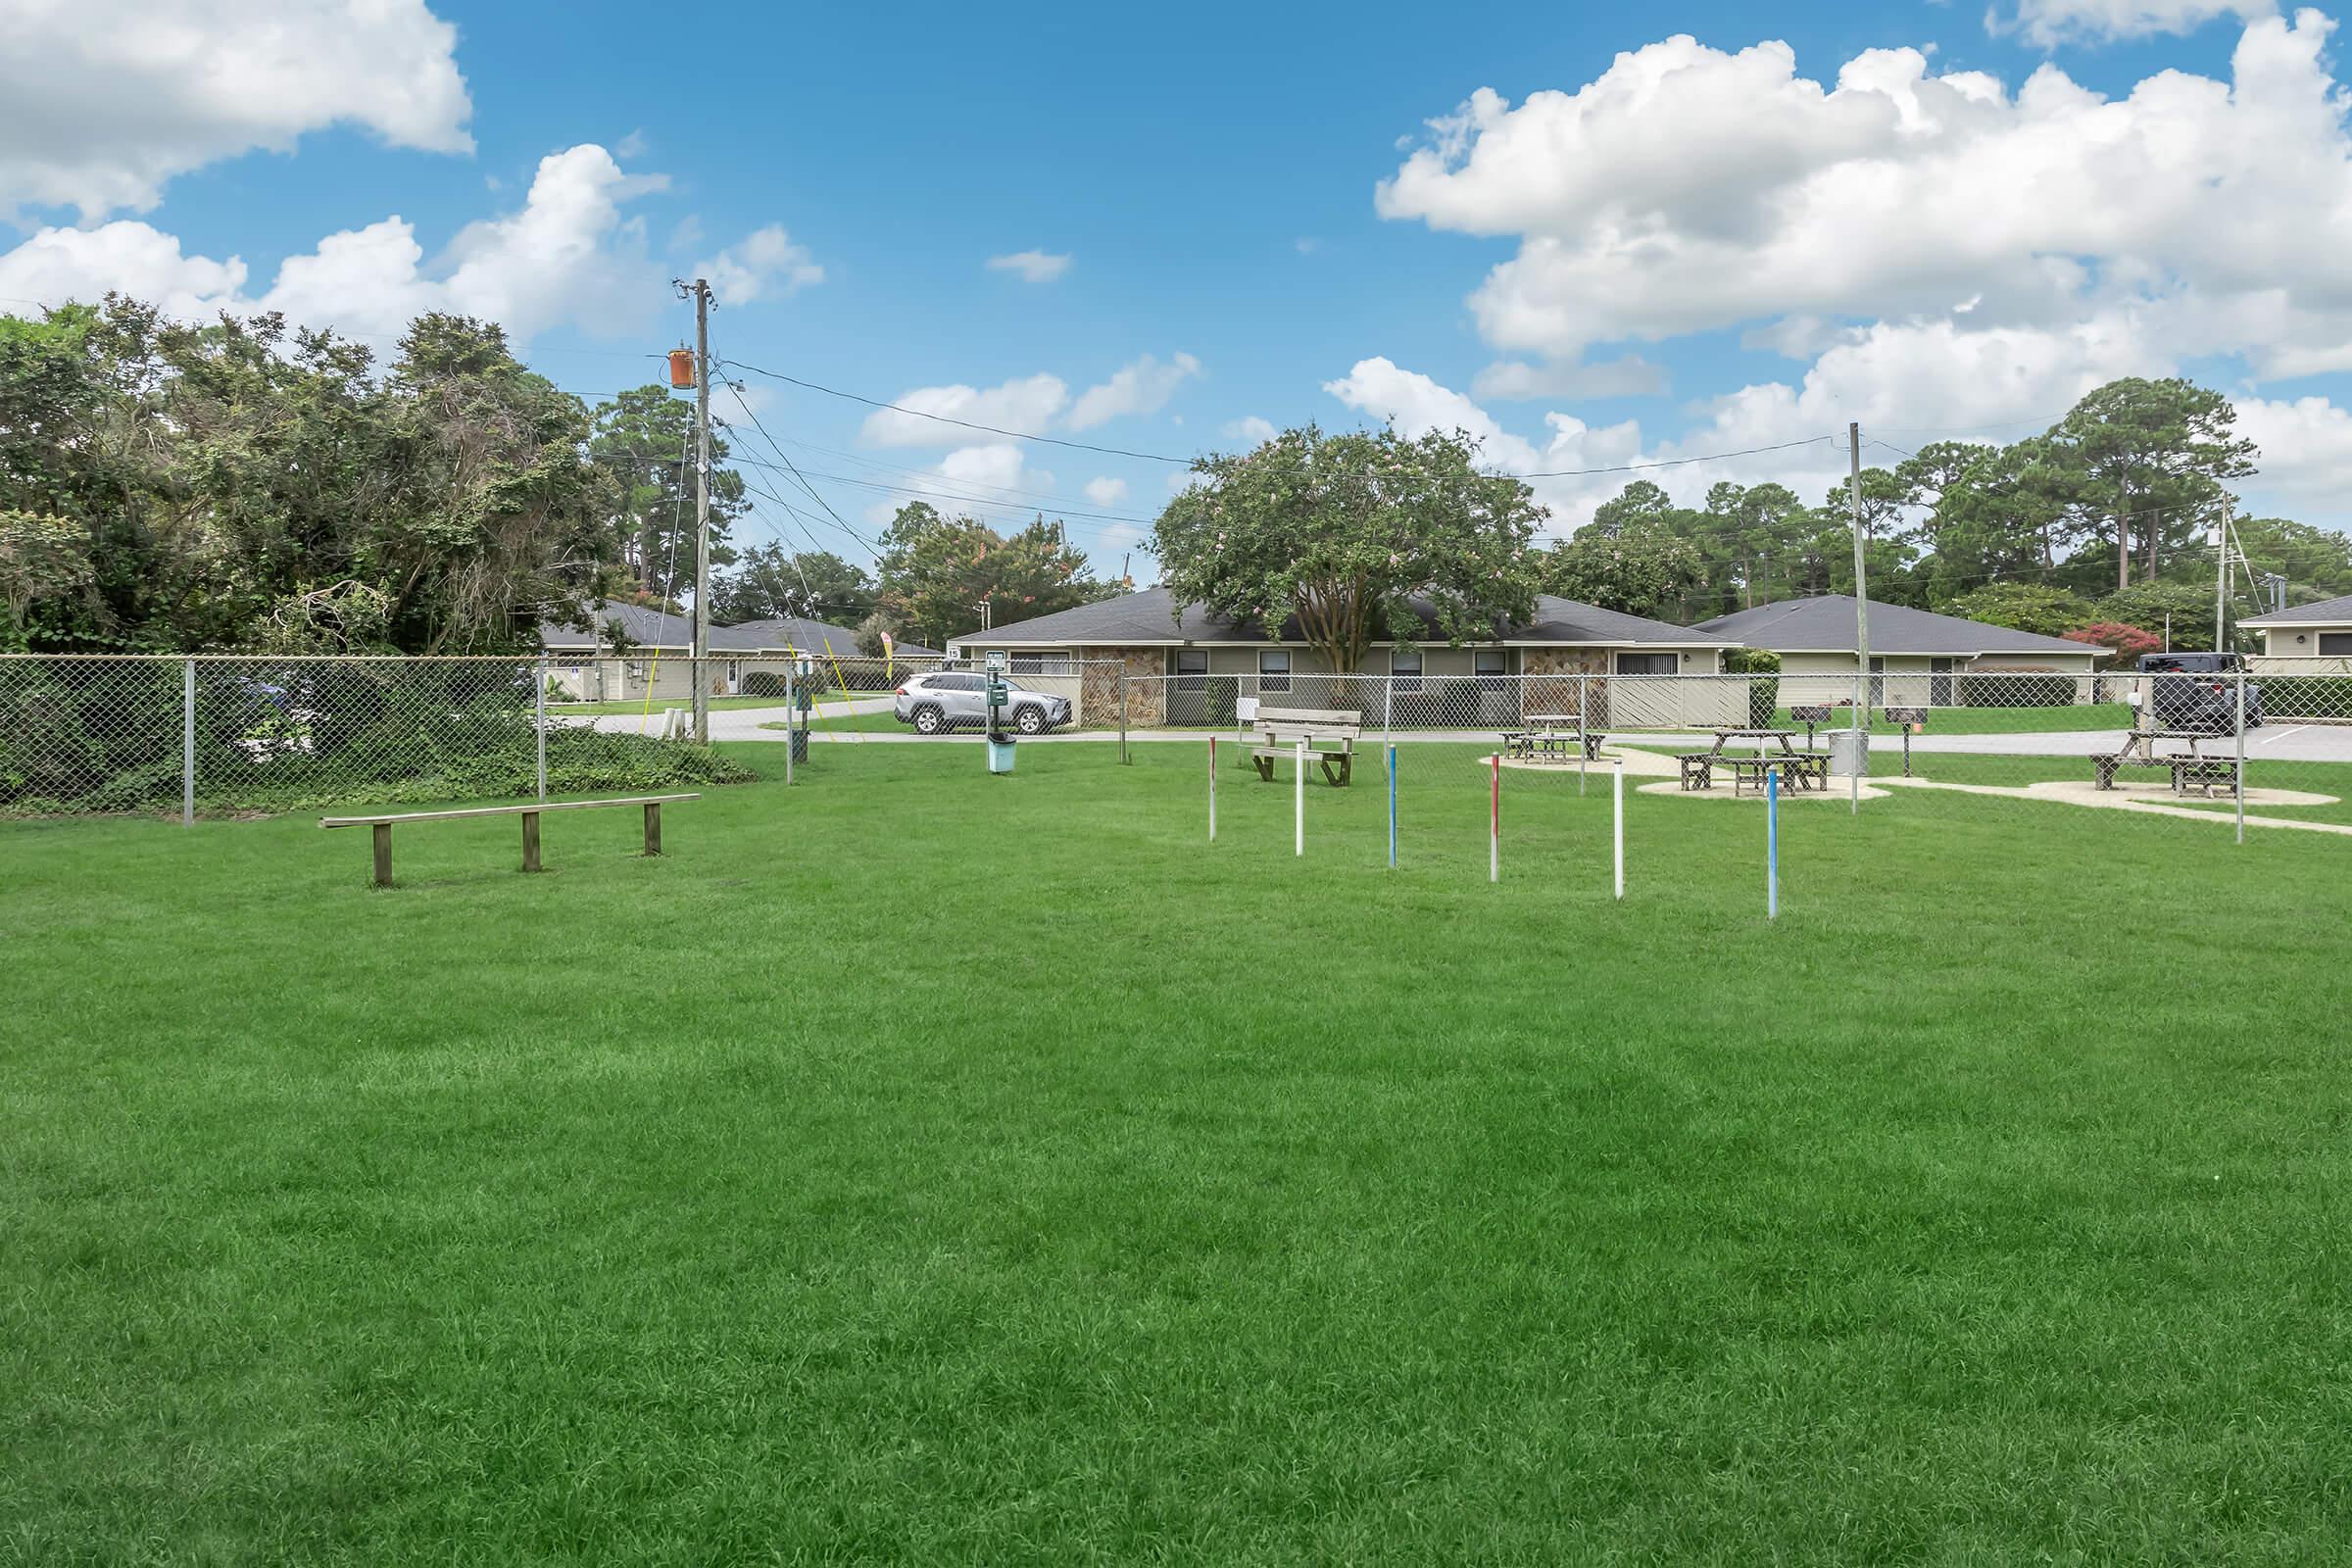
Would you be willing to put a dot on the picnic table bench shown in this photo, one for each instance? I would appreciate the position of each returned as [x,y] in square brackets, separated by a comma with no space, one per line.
[2190,769]
[383,825]
[1281,730]
[1804,770]
[1546,736]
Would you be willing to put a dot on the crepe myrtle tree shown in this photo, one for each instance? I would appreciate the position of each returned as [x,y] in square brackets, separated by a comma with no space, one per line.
[1347,531]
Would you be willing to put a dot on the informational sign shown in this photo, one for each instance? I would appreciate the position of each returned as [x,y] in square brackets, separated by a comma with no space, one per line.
[1246,710]
[996,661]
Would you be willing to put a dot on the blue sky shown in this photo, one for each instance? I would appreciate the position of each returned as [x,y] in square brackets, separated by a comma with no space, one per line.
[1709,250]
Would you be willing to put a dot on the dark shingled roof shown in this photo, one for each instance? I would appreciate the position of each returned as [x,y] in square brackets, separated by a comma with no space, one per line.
[1826,625]
[1148,616]
[2328,612]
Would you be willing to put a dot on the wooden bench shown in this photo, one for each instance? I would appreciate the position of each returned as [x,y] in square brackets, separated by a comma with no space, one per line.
[1282,729]
[2204,774]
[383,825]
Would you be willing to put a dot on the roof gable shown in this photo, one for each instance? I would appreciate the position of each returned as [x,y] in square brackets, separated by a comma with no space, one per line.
[1826,623]
[1152,617]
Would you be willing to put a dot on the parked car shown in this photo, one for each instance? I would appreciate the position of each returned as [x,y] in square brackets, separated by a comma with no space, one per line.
[941,702]
[2198,692]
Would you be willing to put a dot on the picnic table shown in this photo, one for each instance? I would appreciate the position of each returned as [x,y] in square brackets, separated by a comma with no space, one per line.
[1804,770]
[2193,768]
[1547,737]
[1328,734]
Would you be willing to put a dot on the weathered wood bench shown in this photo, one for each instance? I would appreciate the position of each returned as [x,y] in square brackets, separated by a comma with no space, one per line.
[2204,774]
[1282,729]
[383,825]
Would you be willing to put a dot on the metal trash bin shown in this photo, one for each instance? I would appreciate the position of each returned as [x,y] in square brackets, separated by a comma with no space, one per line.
[800,743]
[1849,754]
[1000,753]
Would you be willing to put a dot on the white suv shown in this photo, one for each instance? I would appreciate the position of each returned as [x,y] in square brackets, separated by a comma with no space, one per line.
[941,702]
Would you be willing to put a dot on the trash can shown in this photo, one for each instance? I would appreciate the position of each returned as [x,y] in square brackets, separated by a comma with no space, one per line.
[800,743]
[1849,754]
[1000,753]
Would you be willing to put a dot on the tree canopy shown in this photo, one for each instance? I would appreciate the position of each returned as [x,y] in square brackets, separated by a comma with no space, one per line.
[936,572]
[1355,534]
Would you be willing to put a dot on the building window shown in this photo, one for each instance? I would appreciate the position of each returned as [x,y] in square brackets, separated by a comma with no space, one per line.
[1274,669]
[1191,669]
[1646,663]
[1406,667]
[1491,668]
[1028,664]
[2336,644]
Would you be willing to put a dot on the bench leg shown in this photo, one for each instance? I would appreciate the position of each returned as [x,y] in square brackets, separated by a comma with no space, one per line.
[1264,767]
[384,854]
[530,841]
[653,828]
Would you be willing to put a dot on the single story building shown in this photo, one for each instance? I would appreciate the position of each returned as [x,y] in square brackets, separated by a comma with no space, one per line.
[2308,632]
[650,655]
[1918,658]
[1188,666]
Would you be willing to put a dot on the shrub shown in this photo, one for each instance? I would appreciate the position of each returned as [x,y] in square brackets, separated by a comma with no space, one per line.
[2306,696]
[2127,641]
[1763,695]
[2010,689]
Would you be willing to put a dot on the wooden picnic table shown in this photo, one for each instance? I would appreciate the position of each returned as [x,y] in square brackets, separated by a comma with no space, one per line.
[1804,770]
[1549,735]
[2194,769]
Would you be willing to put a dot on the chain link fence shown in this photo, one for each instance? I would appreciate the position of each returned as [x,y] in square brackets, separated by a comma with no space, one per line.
[218,734]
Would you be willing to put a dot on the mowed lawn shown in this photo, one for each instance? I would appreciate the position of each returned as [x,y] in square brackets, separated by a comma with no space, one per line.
[919,1167]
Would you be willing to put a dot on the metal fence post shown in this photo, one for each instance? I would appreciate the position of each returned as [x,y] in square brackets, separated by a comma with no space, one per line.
[187,743]
[791,717]
[2240,769]
[539,708]
[1124,759]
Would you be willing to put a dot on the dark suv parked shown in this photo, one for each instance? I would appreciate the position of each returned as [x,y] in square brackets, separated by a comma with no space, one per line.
[2199,691]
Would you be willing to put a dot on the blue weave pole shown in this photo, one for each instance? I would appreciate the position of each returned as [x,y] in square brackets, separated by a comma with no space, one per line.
[1771,844]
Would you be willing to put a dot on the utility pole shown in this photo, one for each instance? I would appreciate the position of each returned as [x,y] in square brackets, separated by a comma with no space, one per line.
[700,292]
[2221,580]
[1853,442]
[987,619]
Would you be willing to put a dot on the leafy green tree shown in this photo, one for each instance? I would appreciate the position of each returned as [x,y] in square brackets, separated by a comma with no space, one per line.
[1348,533]
[2187,605]
[645,438]
[2141,463]
[2317,562]
[1638,573]
[770,581]
[2025,606]
[936,572]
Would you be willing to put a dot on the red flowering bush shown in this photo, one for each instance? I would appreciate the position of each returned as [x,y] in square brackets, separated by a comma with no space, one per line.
[2129,642]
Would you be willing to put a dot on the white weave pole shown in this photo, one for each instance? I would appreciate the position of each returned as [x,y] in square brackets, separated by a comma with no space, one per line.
[1495,819]
[1618,791]
[1300,847]
[1213,789]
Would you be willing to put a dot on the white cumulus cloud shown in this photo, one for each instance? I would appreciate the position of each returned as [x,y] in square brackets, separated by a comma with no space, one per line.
[569,254]
[1027,406]
[102,102]
[1249,431]
[763,264]
[1105,491]
[2048,23]
[1034,266]
[1143,387]
[1687,189]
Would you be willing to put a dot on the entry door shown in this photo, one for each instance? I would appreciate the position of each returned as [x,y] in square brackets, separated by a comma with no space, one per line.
[1940,682]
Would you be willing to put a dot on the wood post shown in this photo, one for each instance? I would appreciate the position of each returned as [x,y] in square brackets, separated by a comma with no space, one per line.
[384,854]
[653,828]
[530,841]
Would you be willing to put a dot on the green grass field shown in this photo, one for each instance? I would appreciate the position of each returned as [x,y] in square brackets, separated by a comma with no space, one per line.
[1158,1200]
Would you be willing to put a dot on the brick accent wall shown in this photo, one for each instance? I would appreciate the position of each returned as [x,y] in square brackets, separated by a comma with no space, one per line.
[1146,690]
[1558,693]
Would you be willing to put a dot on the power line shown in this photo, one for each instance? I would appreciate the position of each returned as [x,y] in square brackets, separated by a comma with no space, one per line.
[991,429]
[1670,463]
